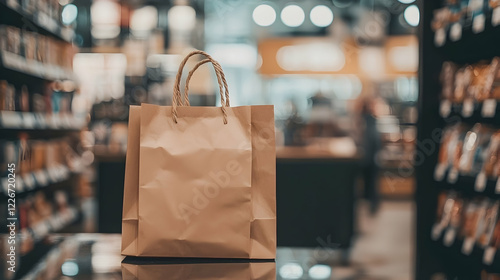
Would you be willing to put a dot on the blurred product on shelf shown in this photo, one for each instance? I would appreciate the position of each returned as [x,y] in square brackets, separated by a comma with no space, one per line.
[110,136]
[38,162]
[54,97]
[472,152]
[31,47]
[113,110]
[29,155]
[465,87]
[42,215]
[468,222]
[456,15]
[478,81]
[47,106]
[48,8]
[109,124]
[47,15]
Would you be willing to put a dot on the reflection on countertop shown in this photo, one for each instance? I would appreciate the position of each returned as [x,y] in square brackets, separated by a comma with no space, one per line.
[97,256]
[156,268]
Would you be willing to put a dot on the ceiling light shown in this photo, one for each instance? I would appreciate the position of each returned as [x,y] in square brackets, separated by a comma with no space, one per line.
[412,15]
[292,15]
[182,18]
[264,15]
[143,20]
[321,16]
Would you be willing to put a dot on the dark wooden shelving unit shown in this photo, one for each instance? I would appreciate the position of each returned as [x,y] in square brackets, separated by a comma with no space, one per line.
[47,179]
[432,257]
[466,184]
[477,116]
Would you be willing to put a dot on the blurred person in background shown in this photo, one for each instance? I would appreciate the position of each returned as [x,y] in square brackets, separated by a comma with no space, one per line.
[293,127]
[371,144]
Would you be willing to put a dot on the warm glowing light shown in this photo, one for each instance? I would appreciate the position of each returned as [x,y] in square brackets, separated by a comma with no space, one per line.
[311,57]
[404,58]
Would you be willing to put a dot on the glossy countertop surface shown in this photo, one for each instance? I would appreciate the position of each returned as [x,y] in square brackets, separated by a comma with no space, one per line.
[97,256]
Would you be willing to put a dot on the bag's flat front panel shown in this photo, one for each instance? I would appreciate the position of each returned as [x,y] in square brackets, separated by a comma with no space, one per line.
[195,182]
[263,232]
[131,185]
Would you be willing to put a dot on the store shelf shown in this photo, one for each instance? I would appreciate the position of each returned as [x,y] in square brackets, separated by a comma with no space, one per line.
[25,121]
[486,112]
[473,44]
[39,20]
[34,68]
[54,223]
[477,258]
[36,180]
[476,45]
[468,184]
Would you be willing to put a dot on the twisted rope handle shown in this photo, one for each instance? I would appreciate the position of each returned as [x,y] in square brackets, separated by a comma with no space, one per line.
[224,94]
[221,78]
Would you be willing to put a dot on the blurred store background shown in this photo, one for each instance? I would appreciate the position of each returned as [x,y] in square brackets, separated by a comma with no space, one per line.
[341,74]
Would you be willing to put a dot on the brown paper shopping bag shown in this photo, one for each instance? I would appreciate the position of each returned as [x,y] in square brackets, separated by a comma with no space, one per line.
[199,271]
[200,181]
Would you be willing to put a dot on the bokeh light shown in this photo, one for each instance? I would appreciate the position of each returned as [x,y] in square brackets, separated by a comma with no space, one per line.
[291,271]
[264,15]
[69,14]
[412,15]
[293,16]
[321,16]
